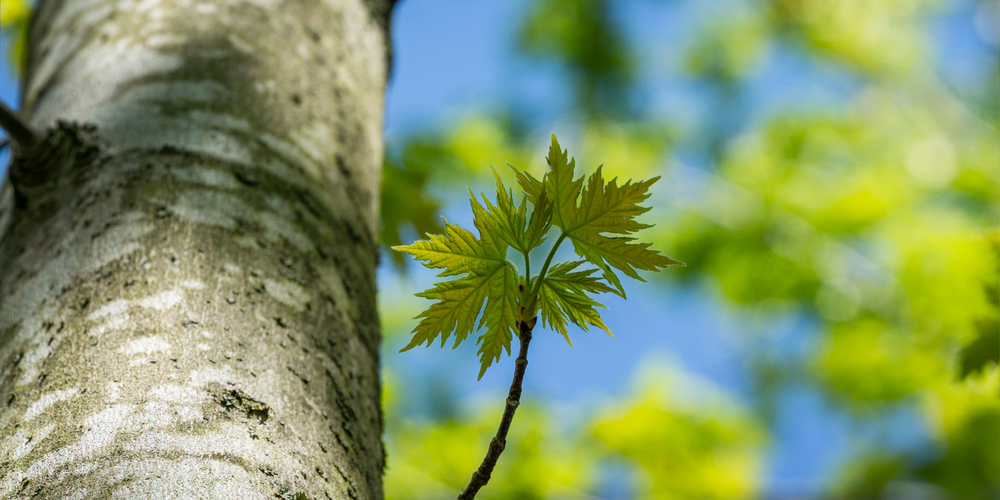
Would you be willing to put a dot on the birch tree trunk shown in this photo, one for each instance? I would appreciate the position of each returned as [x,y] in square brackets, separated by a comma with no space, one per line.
[187,287]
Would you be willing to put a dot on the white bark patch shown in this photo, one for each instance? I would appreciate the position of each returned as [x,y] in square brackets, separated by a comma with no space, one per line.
[179,394]
[314,141]
[114,323]
[278,226]
[178,91]
[193,285]
[152,415]
[44,402]
[111,308]
[212,208]
[232,268]
[29,363]
[163,300]
[243,47]
[29,444]
[79,494]
[205,376]
[146,345]
[114,390]
[206,177]
[185,478]
[59,272]
[288,293]
[99,431]
[292,154]
[161,40]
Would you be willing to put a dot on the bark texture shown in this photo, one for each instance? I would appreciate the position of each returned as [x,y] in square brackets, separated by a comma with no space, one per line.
[187,293]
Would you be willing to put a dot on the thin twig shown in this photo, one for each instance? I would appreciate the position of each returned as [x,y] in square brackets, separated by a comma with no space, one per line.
[20,132]
[482,475]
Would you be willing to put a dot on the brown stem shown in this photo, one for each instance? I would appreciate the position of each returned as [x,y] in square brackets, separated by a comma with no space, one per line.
[482,475]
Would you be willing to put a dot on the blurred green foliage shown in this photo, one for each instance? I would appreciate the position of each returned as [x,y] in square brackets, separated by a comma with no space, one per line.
[877,218]
[15,17]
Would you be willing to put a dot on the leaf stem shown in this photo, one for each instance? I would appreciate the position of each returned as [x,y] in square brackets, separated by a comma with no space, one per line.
[482,475]
[527,267]
[545,266]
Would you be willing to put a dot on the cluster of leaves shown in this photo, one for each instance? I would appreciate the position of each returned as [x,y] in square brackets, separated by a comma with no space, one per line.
[583,214]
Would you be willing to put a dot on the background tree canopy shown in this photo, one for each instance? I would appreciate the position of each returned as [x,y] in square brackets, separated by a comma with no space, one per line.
[832,180]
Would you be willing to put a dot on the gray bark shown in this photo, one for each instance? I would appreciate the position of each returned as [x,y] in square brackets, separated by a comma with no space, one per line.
[187,291]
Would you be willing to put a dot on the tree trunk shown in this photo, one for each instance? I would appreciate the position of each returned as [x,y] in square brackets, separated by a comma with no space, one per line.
[187,286]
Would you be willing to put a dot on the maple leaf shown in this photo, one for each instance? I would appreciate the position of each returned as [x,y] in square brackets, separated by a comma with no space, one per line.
[489,277]
[458,251]
[489,284]
[563,295]
[510,220]
[585,214]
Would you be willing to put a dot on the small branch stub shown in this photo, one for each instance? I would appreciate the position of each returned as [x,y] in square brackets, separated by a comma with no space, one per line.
[19,131]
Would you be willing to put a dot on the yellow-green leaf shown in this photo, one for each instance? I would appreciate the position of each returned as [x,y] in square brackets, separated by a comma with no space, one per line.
[457,251]
[563,295]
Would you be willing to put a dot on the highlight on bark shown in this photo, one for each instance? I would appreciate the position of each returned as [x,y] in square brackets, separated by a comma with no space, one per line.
[490,287]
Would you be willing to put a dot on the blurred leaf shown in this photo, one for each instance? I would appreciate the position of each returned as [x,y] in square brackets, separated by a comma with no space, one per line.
[581,35]
[729,47]
[881,38]
[405,201]
[702,448]
[431,460]
[15,17]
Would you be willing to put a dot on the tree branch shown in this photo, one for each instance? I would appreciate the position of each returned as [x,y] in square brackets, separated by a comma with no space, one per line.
[15,127]
[482,475]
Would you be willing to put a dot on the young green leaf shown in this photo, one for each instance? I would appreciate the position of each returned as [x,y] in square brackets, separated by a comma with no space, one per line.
[563,295]
[490,279]
[561,187]
[488,283]
[458,251]
[602,209]
[510,220]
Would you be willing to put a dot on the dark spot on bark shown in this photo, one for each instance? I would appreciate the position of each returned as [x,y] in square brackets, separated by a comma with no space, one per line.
[230,300]
[310,203]
[286,494]
[342,166]
[297,374]
[84,303]
[266,470]
[280,321]
[247,177]
[10,401]
[237,400]
[297,99]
